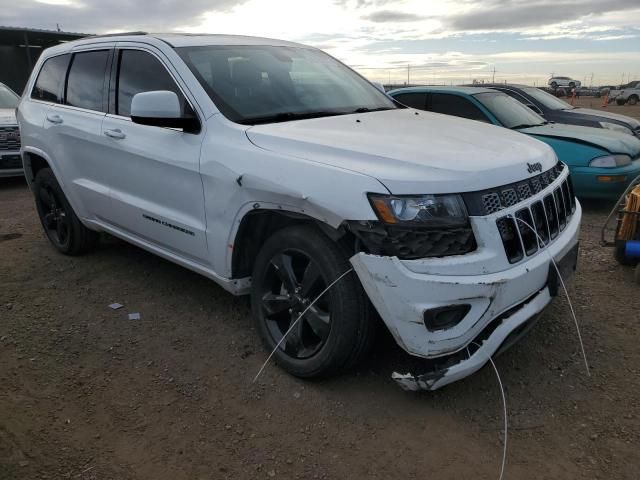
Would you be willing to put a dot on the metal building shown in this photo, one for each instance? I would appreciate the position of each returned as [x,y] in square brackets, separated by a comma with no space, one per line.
[20,49]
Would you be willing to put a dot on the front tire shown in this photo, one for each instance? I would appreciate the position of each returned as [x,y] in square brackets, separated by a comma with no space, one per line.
[632,100]
[293,268]
[61,225]
[554,85]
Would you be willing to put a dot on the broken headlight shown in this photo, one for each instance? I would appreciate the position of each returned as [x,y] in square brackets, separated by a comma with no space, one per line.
[422,210]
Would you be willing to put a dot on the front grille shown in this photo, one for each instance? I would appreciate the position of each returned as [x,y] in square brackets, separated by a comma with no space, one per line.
[535,225]
[10,162]
[486,202]
[9,139]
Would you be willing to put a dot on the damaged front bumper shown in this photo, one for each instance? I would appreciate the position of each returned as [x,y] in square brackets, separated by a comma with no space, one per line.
[498,306]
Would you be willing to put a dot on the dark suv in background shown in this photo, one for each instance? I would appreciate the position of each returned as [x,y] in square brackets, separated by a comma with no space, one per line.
[555,110]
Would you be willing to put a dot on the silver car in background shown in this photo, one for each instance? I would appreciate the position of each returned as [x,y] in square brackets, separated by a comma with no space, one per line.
[10,161]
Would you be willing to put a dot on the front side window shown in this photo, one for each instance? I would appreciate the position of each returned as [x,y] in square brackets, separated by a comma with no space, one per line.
[48,86]
[455,105]
[546,99]
[85,85]
[8,99]
[142,72]
[264,84]
[413,100]
[509,112]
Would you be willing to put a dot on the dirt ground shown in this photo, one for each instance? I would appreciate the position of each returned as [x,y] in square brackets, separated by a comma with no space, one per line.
[88,394]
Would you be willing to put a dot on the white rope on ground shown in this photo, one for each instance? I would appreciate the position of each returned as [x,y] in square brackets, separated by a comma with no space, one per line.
[297,320]
[504,409]
[566,292]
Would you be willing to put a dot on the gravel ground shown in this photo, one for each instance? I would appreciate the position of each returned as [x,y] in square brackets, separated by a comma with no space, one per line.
[89,394]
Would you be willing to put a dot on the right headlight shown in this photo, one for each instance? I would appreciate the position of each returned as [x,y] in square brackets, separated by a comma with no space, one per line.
[610,161]
[616,127]
[421,210]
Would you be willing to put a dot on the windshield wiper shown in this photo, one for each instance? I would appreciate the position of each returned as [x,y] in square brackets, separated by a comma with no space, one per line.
[367,110]
[287,117]
[525,125]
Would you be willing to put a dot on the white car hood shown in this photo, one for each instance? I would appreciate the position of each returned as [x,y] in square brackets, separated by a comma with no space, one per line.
[8,116]
[410,152]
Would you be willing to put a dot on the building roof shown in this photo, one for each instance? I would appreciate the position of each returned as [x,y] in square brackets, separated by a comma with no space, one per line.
[36,37]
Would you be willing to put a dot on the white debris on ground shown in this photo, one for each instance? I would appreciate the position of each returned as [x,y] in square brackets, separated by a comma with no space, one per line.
[134,316]
[115,306]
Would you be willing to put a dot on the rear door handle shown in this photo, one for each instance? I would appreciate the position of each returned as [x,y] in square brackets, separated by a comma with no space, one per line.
[116,133]
[54,118]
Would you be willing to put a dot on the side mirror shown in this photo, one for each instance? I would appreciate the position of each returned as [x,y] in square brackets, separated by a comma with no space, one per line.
[379,86]
[161,108]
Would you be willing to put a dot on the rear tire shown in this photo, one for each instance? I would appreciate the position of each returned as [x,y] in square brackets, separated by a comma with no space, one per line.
[293,267]
[620,102]
[61,225]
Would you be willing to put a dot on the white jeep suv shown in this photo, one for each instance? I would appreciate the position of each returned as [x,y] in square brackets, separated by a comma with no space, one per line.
[273,169]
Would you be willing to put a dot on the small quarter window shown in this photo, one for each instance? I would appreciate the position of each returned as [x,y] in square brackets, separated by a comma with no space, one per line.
[48,86]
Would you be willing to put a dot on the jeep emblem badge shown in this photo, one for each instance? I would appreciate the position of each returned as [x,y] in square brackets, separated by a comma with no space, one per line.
[534,167]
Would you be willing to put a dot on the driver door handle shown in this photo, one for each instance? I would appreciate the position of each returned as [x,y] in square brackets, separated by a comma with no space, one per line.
[54,118]
[116,133]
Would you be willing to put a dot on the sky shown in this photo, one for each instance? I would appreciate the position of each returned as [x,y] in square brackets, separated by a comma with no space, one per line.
[425,41]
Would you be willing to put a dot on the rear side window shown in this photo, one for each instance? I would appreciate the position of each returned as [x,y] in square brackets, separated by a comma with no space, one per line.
[413,100]
[48,86]
[456,105]
[142,72]
[85,85]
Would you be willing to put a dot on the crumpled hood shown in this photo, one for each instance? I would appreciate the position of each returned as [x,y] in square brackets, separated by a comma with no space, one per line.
[8,116]
[410,152]
[609,140]
[613,116]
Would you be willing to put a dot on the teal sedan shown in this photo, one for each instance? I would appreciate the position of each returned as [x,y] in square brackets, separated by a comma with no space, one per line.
[602,162]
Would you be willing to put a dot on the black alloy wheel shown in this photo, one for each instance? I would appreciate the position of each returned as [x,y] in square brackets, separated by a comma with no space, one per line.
[55,220]
[293,268]
[63,228]
[292,282]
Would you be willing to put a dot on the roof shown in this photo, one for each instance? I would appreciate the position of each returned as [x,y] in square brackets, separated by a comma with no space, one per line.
[435,88]
[191,39]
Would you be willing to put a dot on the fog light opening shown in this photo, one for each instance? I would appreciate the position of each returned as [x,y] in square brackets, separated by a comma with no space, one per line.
[442,318]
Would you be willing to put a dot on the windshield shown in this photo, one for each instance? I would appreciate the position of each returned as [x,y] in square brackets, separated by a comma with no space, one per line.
[264,84]
[546,99]
[8,99]
[509,112]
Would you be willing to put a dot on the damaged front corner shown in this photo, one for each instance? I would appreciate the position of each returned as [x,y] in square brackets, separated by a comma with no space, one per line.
[416,383]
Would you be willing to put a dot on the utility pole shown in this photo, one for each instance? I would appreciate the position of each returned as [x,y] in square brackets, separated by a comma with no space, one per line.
[408,74]
[591,81]
[493,77]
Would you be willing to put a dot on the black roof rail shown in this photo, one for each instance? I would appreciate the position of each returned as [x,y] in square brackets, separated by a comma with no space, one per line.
[119,34]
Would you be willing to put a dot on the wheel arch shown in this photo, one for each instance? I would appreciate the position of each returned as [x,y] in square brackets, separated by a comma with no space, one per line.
[34,160]
[255,226]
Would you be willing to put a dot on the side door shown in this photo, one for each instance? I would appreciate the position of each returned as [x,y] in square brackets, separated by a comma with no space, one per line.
[156,189]
[73,129]
[451,104]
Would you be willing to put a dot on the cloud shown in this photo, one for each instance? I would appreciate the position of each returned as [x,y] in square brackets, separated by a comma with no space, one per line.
[109,15]
[364,3]
[389,16]
[513,15]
